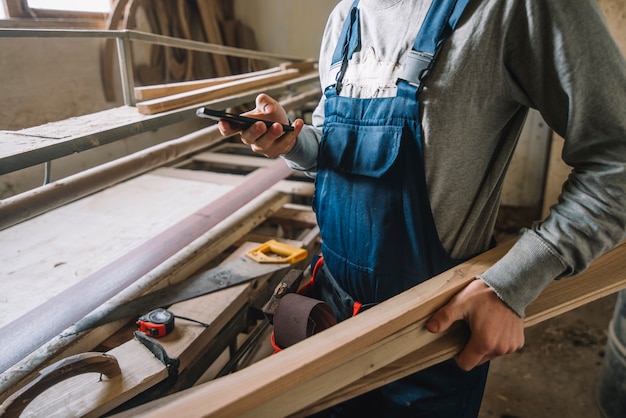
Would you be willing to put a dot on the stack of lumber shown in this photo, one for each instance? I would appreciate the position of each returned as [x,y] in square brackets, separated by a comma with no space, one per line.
[160,98]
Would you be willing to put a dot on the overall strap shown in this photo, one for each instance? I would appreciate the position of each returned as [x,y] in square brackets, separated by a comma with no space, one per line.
[440,21]
[349,42]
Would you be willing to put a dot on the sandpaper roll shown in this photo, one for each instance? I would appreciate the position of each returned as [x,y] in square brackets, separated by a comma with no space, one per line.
[298,317]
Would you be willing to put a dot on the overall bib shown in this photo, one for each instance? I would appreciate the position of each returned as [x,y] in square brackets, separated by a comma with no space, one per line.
[372,205]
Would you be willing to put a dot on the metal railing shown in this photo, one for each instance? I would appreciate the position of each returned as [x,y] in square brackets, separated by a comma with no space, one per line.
[123,40]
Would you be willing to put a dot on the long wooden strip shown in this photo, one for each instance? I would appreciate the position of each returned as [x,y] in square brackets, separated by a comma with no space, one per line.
[168,89]
[559,297]
[175,101]
[373,342]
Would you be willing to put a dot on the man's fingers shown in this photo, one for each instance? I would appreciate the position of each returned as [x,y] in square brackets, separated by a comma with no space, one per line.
[495,329]
[473,354]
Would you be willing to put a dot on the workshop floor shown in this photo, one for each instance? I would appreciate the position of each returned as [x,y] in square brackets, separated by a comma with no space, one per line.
[556,373]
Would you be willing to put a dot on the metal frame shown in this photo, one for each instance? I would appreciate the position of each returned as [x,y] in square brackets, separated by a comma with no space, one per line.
[16,147]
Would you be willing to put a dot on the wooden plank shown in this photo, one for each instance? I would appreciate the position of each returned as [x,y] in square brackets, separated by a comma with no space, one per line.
[297,188]
[231,161]
[203,254]
[226,159]
[187,262]
[92,395]
[150,107]
[38,144]
[140,370]
[559,297]
[295,216]
[168,89]
[380,339]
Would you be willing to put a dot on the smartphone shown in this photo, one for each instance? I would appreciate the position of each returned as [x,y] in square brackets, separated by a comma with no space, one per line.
[244,121]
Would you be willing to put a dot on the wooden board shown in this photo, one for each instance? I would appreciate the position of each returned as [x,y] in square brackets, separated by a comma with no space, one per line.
[168,89]
[205,94]
[38,144]
[31,146]
[380,339]
[24,336]
[296,188]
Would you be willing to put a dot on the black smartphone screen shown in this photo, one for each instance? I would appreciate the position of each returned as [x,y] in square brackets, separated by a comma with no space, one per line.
[245,121]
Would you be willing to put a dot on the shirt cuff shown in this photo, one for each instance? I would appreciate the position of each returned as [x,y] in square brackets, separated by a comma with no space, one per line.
[522,274]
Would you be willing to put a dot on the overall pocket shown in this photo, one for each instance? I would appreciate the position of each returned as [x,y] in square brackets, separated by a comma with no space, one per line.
[369,150]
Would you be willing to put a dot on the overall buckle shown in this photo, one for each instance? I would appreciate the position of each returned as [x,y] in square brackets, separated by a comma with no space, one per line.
[416,67]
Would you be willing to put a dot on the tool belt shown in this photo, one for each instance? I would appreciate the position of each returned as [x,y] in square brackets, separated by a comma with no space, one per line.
[316,306]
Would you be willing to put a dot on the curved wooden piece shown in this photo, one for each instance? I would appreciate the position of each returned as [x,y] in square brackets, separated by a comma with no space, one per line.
[59,371]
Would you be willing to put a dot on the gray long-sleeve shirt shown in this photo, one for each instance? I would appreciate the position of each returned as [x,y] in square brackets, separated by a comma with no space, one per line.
[504,57]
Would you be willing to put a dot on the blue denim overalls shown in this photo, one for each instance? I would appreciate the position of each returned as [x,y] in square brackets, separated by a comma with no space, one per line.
[372,205]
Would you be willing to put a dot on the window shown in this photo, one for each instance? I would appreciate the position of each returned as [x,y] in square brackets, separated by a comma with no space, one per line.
[41,13]
[101,6]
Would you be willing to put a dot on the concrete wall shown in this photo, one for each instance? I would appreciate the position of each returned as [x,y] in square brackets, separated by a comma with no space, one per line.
[45,79]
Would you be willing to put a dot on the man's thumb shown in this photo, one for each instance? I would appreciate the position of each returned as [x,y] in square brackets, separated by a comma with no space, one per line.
[441,320]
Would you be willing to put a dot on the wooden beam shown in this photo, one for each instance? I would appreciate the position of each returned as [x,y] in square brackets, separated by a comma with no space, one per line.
[206,94]
[381,344]
[168,89]
[602,278]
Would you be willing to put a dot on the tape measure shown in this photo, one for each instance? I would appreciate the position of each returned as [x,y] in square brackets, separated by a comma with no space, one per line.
[156,323]
[160,322]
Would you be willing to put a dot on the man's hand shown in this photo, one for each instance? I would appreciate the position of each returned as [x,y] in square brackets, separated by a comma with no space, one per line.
[271,141]
[495,329]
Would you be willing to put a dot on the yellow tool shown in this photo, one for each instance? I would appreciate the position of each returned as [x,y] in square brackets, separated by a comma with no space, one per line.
[273,251]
